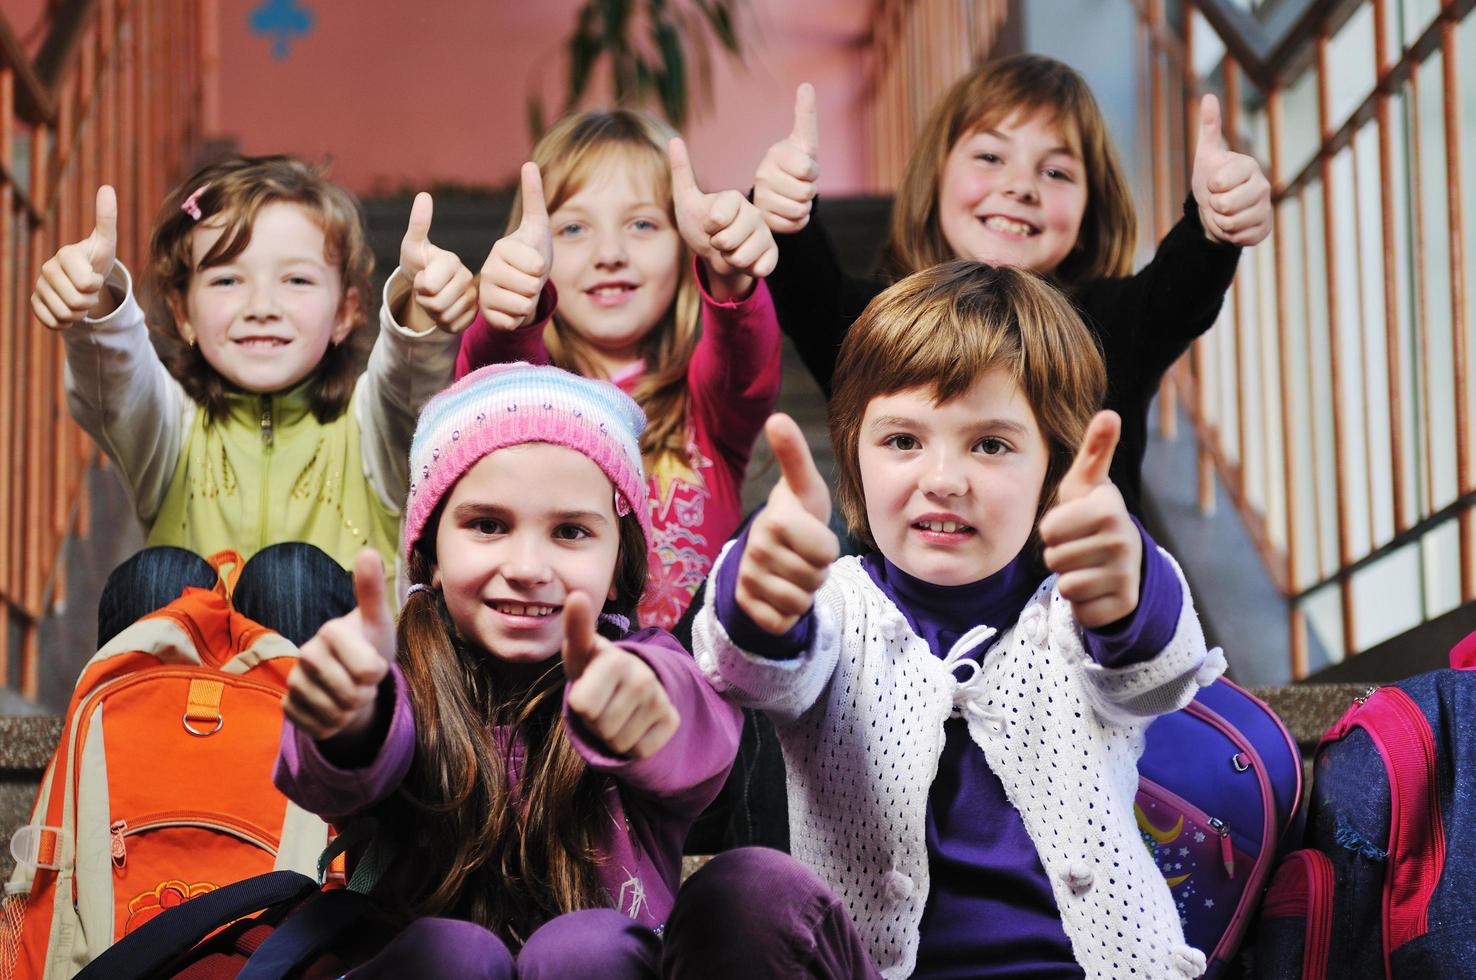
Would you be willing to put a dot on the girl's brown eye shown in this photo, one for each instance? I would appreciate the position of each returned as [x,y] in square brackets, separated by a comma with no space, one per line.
[992,447]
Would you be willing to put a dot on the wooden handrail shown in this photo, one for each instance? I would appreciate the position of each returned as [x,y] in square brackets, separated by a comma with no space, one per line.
[33,100]
[115,100]
[58,53]
[1342,501]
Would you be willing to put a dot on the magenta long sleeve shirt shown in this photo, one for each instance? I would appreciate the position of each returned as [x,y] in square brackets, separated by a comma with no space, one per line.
[695,499]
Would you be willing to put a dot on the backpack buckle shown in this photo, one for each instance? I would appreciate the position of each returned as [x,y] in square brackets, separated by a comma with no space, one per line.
[38,846]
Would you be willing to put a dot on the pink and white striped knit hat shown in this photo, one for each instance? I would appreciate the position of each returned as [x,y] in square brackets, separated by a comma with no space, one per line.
[505,405]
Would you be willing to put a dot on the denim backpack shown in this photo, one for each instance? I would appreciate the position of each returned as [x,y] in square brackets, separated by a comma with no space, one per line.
[1219,787]
[1384,887]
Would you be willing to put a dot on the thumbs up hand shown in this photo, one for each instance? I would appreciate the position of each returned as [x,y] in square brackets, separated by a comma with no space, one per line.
[441,284]
[333,689]
[512,278]
[1233,195]
[1090,540]
[612,691]
[70,285]
[784,184]
[724,229]
[790,546]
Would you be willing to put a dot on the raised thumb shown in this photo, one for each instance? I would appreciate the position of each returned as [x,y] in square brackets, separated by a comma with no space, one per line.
[369,597]
[535,209]
[683,181]
[579,635]
[806,132]
[796,466]
[1210,140]
[1093,459]
[103,246]
[416,244]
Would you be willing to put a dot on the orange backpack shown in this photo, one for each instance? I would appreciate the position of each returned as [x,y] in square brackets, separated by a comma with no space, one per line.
[161,787]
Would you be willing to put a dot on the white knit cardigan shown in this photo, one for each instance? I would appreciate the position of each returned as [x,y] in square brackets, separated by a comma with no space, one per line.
[860,717]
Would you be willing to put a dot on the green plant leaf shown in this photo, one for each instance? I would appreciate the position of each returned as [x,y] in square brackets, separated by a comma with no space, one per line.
[535,117]
[654,48]
[672,78]
[584,54]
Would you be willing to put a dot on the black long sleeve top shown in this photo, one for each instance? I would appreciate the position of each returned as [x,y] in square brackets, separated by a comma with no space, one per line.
[1143,322]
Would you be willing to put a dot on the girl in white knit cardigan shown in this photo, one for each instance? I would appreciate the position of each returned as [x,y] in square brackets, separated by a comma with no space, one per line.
[962,709]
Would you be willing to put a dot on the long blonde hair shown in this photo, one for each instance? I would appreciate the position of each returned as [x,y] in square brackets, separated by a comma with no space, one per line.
[576,148]
[1025,84]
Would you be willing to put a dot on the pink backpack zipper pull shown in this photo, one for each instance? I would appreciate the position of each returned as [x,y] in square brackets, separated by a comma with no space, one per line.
[120,853]
[1227,851]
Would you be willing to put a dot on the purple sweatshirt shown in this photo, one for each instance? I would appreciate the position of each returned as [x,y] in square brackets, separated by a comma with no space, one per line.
[651,802]
[990,912]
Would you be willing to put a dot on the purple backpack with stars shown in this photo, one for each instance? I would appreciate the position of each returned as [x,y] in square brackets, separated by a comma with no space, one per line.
[1219,792]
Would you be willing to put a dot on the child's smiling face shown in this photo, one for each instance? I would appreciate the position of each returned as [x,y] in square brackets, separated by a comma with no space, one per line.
[616,259]
[520,530]
[952,489]
[265,318]
[1013,194]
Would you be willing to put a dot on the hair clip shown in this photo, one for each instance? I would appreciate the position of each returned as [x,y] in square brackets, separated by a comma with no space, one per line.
[419,587]
[191,205]
[622,506]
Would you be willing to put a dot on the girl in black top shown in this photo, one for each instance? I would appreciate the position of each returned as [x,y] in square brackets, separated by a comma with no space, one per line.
[1015,167]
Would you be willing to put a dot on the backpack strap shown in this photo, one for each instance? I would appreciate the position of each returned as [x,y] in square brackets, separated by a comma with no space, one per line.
[147,949]
[306,934]
[227,564]
[1401,733]
[1463,654]
[373,859]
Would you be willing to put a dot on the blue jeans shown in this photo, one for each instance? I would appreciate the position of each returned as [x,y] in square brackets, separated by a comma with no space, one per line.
[291,587]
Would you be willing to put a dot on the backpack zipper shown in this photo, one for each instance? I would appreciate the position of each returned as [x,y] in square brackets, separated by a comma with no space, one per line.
[1406,744]
[1260,869]
[121,830]
[1220,827]
[1227,851]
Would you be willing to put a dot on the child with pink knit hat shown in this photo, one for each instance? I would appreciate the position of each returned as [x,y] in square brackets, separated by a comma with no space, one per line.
[531,763]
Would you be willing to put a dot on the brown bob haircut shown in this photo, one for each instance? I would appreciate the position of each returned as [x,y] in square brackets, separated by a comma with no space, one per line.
[943,329]
[1022,85]
[237,190]
[578,147]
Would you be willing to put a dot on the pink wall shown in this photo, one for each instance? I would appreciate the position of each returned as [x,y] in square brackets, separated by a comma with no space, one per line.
[413,94]
[28,19]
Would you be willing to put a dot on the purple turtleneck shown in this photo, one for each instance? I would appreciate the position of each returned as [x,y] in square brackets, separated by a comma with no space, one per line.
[990,911]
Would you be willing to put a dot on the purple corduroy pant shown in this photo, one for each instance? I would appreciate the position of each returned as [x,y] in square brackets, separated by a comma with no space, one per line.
[751,912]
[756,912]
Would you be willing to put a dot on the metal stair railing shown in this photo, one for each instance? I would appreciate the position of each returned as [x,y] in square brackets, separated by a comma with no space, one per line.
[1334,398]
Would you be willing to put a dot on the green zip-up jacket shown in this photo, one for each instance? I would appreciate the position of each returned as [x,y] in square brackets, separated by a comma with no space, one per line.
[269,471]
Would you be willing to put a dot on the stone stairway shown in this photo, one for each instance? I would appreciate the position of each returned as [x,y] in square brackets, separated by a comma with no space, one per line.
[467,224]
